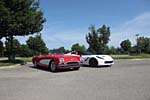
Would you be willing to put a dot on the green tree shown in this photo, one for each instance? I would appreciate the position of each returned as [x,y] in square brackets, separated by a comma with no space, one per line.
[104,33]
[64,50]
[143,45]
[1,48]
[77,47]
[119,50]
[19,18]
[98,39]
[25,51]
[16,46]
[93,40]
[37,44]
[126,45]
[112,50]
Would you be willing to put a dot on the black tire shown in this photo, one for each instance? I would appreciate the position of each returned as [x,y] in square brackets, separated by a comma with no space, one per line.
[93,62]
[52,66]
[77,68]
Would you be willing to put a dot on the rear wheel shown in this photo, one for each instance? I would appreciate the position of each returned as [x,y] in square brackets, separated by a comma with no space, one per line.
[52,66]
[93,62]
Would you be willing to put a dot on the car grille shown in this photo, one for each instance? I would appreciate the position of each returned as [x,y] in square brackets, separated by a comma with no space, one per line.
[72,64]
[108,62]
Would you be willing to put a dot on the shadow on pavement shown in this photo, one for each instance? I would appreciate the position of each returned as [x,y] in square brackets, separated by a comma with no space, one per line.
[104,66]
[46,69]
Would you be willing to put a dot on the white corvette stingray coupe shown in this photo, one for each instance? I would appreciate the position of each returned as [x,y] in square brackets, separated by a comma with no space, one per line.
[87,58]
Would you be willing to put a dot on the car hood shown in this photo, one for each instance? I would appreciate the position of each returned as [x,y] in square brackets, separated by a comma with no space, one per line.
[67,58]
[105,57]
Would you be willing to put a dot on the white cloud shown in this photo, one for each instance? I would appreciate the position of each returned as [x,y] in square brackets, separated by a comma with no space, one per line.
[64,38]
[57,34]
[138,25]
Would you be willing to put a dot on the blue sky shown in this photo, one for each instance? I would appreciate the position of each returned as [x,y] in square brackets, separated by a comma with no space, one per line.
[68,20]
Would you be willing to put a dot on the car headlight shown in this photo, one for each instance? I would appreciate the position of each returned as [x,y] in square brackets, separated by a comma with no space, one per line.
[61,60]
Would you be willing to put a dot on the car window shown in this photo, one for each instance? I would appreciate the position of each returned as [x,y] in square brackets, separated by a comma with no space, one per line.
[55,51]
[87,53]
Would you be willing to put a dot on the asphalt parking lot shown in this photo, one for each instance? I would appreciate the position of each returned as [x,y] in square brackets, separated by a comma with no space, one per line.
[125,80]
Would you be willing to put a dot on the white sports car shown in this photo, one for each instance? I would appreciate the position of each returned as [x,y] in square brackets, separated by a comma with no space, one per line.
[87,58]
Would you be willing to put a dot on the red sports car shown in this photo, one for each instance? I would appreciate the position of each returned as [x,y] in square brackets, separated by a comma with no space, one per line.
[57,61]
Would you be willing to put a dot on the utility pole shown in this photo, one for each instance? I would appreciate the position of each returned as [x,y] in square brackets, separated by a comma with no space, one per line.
[137,46]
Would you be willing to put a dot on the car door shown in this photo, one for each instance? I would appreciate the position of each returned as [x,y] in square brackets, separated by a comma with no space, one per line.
[85,59]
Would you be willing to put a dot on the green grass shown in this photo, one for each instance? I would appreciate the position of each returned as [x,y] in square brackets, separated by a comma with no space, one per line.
[29,59]
[141,56]
[19,60]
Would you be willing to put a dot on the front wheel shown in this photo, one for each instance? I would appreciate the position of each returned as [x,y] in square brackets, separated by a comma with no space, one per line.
[77,68]
[93,62]
[52,66]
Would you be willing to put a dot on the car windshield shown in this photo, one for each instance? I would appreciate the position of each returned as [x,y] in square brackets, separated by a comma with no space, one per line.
[55,51]
[87,53]
[82,53]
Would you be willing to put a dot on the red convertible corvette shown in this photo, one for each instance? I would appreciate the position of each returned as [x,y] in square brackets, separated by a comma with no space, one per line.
[57,61]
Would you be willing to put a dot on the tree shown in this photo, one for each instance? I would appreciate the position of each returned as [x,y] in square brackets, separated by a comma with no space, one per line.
[1,48]
[93,39]
[143,45]
[104,33]
[37,45]
[64,50]
[119,50]
[112,50]
[77,47]
[98,39]
[25,51]
[16,46]
[126,45]
[19,18]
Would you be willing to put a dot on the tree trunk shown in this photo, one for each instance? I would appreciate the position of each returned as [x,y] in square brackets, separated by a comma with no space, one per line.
[11,56]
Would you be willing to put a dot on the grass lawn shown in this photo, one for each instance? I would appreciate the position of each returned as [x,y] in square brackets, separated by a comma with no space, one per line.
[29,59]
[141,56]
[19,60]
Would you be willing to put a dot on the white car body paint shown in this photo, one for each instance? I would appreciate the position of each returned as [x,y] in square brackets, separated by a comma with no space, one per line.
[101,59]
[45,61]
